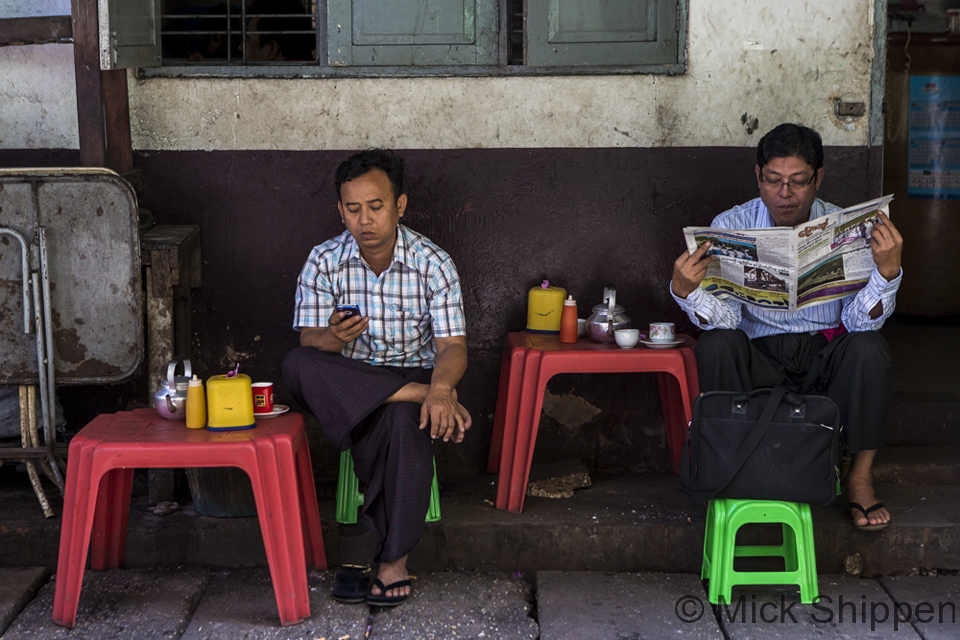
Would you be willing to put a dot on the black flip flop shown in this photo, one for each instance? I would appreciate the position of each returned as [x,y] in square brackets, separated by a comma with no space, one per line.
[353,584]
[851,506]
[384,601]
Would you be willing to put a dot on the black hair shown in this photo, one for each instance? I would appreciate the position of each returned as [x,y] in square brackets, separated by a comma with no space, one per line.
[295,46]
[791,140]
[364,162]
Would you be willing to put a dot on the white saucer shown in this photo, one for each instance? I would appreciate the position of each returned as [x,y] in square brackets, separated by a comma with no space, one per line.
[662,345]
[277,410]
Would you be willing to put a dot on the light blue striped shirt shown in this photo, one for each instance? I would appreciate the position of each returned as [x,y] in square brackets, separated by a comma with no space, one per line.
[729,313]
[416,299]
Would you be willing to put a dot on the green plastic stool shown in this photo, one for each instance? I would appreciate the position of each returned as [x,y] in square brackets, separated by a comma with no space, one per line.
[724,519]
[349,498]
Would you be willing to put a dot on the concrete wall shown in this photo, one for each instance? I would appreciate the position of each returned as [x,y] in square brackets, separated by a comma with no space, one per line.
[583,180]
[38,93]
[767,61]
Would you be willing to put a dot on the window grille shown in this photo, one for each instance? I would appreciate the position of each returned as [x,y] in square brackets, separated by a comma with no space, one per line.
[369,38]
[261,31]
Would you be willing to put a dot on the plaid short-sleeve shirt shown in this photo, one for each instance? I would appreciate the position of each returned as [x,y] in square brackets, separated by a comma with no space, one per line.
[416,299]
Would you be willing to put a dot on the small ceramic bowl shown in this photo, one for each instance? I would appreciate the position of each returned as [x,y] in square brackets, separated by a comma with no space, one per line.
[627,338]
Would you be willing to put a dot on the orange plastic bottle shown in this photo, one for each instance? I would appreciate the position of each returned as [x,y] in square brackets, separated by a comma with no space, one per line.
[196,405]
[568,321]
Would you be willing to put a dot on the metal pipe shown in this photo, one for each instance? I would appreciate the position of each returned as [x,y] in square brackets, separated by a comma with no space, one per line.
[41,349]
[23,453]
[48,335]
[45,466]
[38,488]
[28,436]
[56,462]
[45,392]
[26,275]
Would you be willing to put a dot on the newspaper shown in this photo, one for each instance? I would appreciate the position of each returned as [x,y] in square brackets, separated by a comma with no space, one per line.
[786,268]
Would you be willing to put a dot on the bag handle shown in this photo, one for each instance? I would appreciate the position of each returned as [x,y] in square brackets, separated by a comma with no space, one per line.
[748,446]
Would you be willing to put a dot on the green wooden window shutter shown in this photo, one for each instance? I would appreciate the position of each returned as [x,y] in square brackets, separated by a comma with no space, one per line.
[603,32]
[129,33]
[412,32]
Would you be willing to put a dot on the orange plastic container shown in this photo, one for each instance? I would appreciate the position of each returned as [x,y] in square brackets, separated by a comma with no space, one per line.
[568,321]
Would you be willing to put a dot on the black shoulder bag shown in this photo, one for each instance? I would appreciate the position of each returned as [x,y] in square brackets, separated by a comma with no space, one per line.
[769,444]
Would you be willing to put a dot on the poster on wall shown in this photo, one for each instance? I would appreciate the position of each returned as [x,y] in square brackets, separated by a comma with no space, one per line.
[934,156]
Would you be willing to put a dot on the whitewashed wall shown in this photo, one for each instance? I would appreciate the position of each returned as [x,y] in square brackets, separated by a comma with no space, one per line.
[38,93]
[769,60]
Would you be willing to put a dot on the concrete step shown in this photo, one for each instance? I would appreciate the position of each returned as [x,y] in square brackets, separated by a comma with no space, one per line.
[647,523]
[918,465]
[622,523]
[919,418]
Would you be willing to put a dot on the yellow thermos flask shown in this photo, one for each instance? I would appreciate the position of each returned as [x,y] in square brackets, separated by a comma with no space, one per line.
[544,308]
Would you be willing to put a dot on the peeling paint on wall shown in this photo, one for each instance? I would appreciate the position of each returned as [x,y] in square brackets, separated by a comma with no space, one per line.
[232,357]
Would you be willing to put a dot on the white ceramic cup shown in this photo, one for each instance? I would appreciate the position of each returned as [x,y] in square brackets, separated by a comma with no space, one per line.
[581,327]
[627,338]
[662,332]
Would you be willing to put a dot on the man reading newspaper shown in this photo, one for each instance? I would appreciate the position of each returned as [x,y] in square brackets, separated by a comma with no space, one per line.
[831,349]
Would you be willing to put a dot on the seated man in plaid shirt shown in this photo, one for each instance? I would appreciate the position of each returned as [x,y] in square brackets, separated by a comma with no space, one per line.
[381,383]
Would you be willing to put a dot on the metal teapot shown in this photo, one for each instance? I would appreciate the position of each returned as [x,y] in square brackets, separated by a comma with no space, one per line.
[607,318]
[170,400]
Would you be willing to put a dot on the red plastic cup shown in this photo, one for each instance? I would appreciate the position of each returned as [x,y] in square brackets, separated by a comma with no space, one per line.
[262,397]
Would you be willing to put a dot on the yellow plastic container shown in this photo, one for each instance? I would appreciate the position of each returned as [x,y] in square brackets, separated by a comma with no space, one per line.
[230,403]
[544,308]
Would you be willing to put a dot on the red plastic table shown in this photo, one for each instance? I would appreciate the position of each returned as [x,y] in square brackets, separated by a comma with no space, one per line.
[530,360]
[96,501]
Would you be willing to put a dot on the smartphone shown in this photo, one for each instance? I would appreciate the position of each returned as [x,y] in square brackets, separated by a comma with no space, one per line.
[350,309]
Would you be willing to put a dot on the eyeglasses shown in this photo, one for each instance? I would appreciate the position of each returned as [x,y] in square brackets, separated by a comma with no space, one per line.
[793,184]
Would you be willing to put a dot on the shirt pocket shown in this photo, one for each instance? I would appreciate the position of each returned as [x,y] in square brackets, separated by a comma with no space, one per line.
[411,327]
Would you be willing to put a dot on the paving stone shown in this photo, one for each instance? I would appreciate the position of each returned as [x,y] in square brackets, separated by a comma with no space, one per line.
[848,608]
[622,606]
[18,585]
[128,604]
[447,606]
[930,603]
[241,604]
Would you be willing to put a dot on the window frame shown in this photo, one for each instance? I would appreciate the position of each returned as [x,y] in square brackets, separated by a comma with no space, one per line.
[322,69]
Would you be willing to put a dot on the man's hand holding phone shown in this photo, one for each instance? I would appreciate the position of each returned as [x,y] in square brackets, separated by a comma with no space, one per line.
[347,323]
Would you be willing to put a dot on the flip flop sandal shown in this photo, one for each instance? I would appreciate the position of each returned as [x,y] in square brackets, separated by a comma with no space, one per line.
[853,506]
[353,584]
[383,600]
